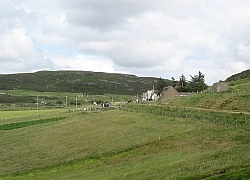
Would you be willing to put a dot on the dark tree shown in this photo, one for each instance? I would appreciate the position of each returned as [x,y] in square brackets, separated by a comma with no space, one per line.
[197,83]
[173,82]
[183,81]
[160,85]
[182,84]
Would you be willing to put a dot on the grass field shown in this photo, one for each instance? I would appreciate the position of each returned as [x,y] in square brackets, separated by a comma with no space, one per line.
[123,144]
[27,100]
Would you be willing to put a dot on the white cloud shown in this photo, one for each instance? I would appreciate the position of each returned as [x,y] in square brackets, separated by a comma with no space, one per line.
[147,38]
[237,66]
[85,63]
[244,51]
[18,53]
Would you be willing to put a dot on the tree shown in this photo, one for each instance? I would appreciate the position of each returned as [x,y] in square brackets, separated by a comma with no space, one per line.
[160,85]
[182,84]
[173,82]
[197,83]
[183,81]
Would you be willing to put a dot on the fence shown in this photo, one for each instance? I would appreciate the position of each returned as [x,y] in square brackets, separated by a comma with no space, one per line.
[238,120]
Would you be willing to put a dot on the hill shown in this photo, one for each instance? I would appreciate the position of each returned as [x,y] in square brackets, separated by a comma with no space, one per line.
[237,97]
[242,75]
[77,81]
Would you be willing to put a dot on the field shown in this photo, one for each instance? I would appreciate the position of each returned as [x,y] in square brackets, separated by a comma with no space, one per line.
[27,99]
[134,142]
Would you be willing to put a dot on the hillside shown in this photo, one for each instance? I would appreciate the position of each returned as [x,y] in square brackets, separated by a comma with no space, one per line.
[237,97]
[77,81]
[241,75]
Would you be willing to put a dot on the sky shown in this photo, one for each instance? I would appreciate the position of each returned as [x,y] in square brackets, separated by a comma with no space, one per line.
[160,38]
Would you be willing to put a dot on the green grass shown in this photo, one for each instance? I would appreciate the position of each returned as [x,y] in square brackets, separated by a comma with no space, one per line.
[237,98]
[28,123]
[22,99]
[120,144]
[238,173]
[7,117]
[241,120]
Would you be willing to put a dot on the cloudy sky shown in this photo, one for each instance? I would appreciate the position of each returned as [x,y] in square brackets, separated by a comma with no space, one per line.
[160,38]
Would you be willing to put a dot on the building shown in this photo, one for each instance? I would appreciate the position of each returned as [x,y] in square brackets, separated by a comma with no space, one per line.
[149,96]
[220,87]
[106,104]
[171,92]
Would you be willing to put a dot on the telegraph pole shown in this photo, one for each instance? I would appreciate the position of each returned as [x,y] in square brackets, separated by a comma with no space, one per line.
[37,102]
[66,101]
[76,101]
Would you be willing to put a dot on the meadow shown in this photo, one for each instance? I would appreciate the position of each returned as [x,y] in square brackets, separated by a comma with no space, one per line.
[132,142]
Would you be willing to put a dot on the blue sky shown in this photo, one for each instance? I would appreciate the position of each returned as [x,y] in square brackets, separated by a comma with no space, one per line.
[162,38]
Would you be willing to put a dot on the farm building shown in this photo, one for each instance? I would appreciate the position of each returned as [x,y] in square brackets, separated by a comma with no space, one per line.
[171,92]
[220,86]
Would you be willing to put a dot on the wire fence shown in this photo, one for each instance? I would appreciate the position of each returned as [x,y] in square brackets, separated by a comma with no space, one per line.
[237,120]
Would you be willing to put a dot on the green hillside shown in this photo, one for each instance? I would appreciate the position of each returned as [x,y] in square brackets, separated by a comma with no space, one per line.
[238,76]
[77,81]
[237,98]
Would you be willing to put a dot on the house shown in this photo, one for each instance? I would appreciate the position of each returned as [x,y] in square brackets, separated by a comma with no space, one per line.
[150,95]
[220,87]
[171,92]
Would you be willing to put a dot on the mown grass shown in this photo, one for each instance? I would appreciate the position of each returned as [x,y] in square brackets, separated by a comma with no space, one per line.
[120,144]
[28,123]
[7,117]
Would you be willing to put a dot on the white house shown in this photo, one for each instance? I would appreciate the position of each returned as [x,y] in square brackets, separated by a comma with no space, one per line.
[150,95]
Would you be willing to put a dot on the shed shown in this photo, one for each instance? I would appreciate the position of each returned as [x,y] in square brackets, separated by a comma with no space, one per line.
[220,87]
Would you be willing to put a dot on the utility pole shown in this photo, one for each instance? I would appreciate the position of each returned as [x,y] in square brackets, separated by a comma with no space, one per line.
[37,102]
[76,101]
[66,101]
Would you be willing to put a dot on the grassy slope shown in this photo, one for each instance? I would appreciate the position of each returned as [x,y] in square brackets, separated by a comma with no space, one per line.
[236,99]
[120,145]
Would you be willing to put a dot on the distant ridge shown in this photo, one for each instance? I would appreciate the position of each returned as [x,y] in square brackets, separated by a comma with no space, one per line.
[241,75]
[77,81]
